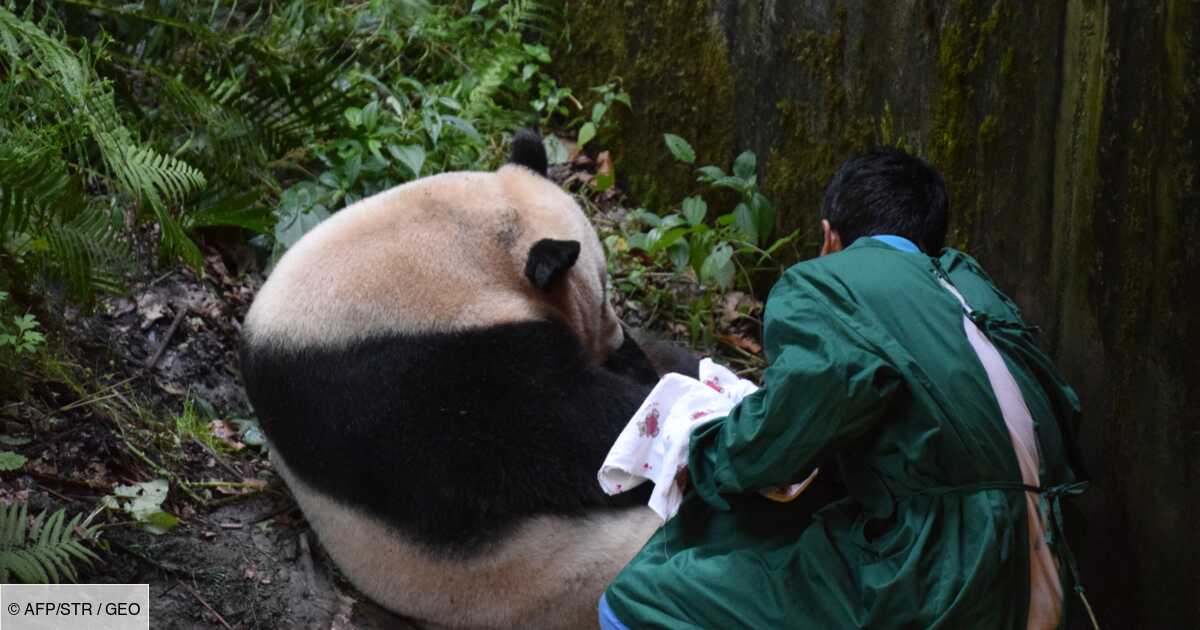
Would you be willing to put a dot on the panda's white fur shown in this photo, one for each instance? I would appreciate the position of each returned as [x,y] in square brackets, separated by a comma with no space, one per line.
[547,574]
[381,267]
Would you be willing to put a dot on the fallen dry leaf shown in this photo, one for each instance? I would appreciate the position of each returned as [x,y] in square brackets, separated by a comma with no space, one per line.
[738,341]
[151,306]
[227,433]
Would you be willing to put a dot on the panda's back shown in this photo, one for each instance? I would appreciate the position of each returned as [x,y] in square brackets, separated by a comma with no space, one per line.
[436,255]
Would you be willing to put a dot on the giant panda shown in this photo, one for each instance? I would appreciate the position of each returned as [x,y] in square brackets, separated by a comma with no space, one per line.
[440,374]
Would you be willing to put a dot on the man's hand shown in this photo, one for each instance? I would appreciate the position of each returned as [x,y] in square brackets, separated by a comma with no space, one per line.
[681,479]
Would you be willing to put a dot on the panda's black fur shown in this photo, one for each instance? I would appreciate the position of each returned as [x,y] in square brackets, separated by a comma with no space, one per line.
[528,151]
[516,423]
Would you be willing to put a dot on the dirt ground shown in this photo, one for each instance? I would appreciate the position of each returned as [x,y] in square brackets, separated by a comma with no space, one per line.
[104,412]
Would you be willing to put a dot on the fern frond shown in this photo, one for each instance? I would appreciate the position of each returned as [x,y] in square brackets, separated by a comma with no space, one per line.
[44,213]
[33,185]
[502,67]
[283,100]
[138,170]
[531,16]
[45,553]
[148,174]
[83,250]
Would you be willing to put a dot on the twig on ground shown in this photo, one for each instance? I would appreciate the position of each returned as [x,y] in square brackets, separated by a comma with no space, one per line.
[160,278]
[183,311]
[274,513]
[249,485]
[306,562]
[217,457]
[62,497]
[233,498]
[205,604]
[169,569]
[181,483]
[77,483]
[96,396]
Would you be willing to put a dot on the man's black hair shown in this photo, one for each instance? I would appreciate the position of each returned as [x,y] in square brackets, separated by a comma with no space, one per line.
[888,191]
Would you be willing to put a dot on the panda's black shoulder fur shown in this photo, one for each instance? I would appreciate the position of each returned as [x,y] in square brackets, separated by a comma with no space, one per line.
[452,438]
[528,151]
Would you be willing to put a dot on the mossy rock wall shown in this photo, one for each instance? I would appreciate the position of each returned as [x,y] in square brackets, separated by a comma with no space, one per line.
[1069,134]
[670,55]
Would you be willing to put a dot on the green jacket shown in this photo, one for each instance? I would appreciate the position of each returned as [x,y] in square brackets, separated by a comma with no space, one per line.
[870,373]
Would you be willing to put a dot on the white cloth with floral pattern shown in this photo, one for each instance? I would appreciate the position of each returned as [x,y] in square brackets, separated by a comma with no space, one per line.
[654,445]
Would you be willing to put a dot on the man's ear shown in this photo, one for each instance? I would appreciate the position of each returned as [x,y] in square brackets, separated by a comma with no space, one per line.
[832,243]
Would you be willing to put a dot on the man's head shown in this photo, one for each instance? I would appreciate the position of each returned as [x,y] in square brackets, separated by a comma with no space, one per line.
[885,191]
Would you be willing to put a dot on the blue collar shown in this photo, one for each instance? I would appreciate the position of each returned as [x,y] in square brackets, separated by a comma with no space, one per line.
[899,242]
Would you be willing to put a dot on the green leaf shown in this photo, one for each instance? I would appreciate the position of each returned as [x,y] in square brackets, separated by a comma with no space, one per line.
[25,322]
[710,174]
[159,522]
[694,210]
[586,133]
[650,243]
[764,216]
[411,156]
[718,266]
[289,231]
[744,219]
[604,181]
[744,165]
[598,111]
[235,208]
[541,53]
[556,151]
[11,440]
[680,253]
[730,181]
[370,115]
[645,216]
[670,221]
[638,241]
[668,238]
[465,127]
[11,461]
[680,148]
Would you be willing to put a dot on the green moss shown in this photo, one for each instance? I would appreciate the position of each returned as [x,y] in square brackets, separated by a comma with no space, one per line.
[672,60]
[976,87]
[988,129]
[815,134]
[1006,64]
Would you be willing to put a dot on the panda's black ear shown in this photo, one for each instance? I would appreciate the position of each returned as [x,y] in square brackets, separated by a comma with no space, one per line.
[548,260]
[528,151]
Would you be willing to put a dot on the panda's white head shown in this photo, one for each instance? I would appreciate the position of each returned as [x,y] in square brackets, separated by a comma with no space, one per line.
[456,251]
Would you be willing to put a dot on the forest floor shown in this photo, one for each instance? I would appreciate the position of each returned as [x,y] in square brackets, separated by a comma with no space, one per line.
[145,387]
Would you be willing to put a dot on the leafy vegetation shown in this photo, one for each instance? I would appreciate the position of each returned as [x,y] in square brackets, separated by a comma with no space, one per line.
[44,551]
[722,251]
[135,134]
[264,117]
[21,336]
